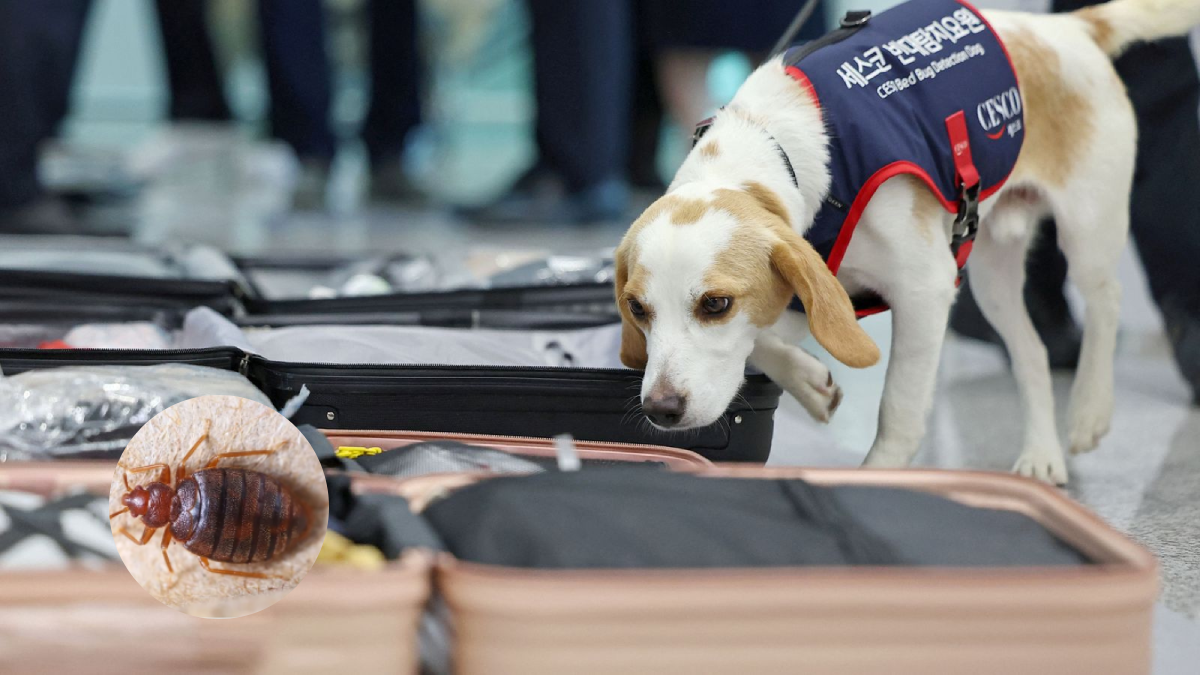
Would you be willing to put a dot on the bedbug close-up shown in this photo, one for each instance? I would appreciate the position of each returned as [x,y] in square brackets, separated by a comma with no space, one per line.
[230,515]
[218,506]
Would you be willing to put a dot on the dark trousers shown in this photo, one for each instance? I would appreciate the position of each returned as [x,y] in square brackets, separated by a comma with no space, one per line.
[1165,88]
[39,46]
[583,73]
[298,75]
[299,79]
[1163,84]
[193,80]
[395,107]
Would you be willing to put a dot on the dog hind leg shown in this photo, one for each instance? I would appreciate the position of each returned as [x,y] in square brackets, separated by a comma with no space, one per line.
[1092,239]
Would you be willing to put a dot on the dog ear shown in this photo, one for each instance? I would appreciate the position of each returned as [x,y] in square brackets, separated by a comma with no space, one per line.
[633,346]
[830,312]
[633,342]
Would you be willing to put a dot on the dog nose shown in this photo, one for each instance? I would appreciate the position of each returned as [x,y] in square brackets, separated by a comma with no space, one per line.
[665,408]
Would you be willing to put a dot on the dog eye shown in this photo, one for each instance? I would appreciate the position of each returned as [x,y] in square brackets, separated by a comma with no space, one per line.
[636,309]
[715,305]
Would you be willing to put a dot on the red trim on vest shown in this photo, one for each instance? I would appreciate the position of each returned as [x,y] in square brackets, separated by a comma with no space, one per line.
[896,168]
[864,195]
[799,76]
[879,309]
[973,8]
[1016,78]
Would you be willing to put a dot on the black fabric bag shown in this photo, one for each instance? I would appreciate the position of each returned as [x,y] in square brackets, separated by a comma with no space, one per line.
[616,518]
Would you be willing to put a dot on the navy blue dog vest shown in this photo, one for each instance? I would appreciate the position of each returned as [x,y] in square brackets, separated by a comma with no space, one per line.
[925,88]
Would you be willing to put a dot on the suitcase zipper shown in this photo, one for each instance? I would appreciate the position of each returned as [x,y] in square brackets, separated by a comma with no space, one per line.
[384,433]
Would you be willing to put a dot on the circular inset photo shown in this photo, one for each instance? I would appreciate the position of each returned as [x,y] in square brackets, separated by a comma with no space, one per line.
[219,506]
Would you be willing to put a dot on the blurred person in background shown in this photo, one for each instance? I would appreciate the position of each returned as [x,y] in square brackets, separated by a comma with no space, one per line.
[583,70]
[300,85]
[594,60]
[686,35]
[1163,84]
[194,83]
[39,49]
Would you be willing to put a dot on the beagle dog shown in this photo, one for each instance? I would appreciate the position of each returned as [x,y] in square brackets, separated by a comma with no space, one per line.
[705,276]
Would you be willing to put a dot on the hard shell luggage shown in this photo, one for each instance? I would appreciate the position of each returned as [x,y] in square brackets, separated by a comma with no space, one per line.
[1091,618]
[96,619]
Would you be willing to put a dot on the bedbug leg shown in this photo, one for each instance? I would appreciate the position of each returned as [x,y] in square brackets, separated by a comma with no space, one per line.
[236,573]
[166,541]
[203,437]
[146,534]
[164,478]
[246,453]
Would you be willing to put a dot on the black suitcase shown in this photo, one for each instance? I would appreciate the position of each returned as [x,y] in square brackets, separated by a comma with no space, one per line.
[568,306]
[241,298]
[590,404]
[117,274]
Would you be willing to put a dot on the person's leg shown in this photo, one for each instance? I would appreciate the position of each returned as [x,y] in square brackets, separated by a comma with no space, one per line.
[192,77]
[1163,84]
[39,47]
[395,107]
[583,65]
[646,117]
[298,75]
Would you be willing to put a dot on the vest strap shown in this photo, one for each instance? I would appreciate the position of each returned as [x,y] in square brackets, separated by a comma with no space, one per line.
[966,223]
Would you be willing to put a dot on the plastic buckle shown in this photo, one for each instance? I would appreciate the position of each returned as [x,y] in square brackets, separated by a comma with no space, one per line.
[966,224]
[856,17]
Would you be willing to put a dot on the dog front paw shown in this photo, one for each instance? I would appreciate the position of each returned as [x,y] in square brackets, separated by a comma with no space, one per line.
[1048,466]
[820,400]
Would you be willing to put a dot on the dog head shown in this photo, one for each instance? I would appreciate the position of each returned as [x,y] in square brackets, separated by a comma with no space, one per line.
[698,275]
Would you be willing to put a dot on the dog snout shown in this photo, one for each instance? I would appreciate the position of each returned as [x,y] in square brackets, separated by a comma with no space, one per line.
[665,406]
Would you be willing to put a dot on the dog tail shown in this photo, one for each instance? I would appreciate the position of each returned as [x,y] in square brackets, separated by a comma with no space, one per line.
[1117,24]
